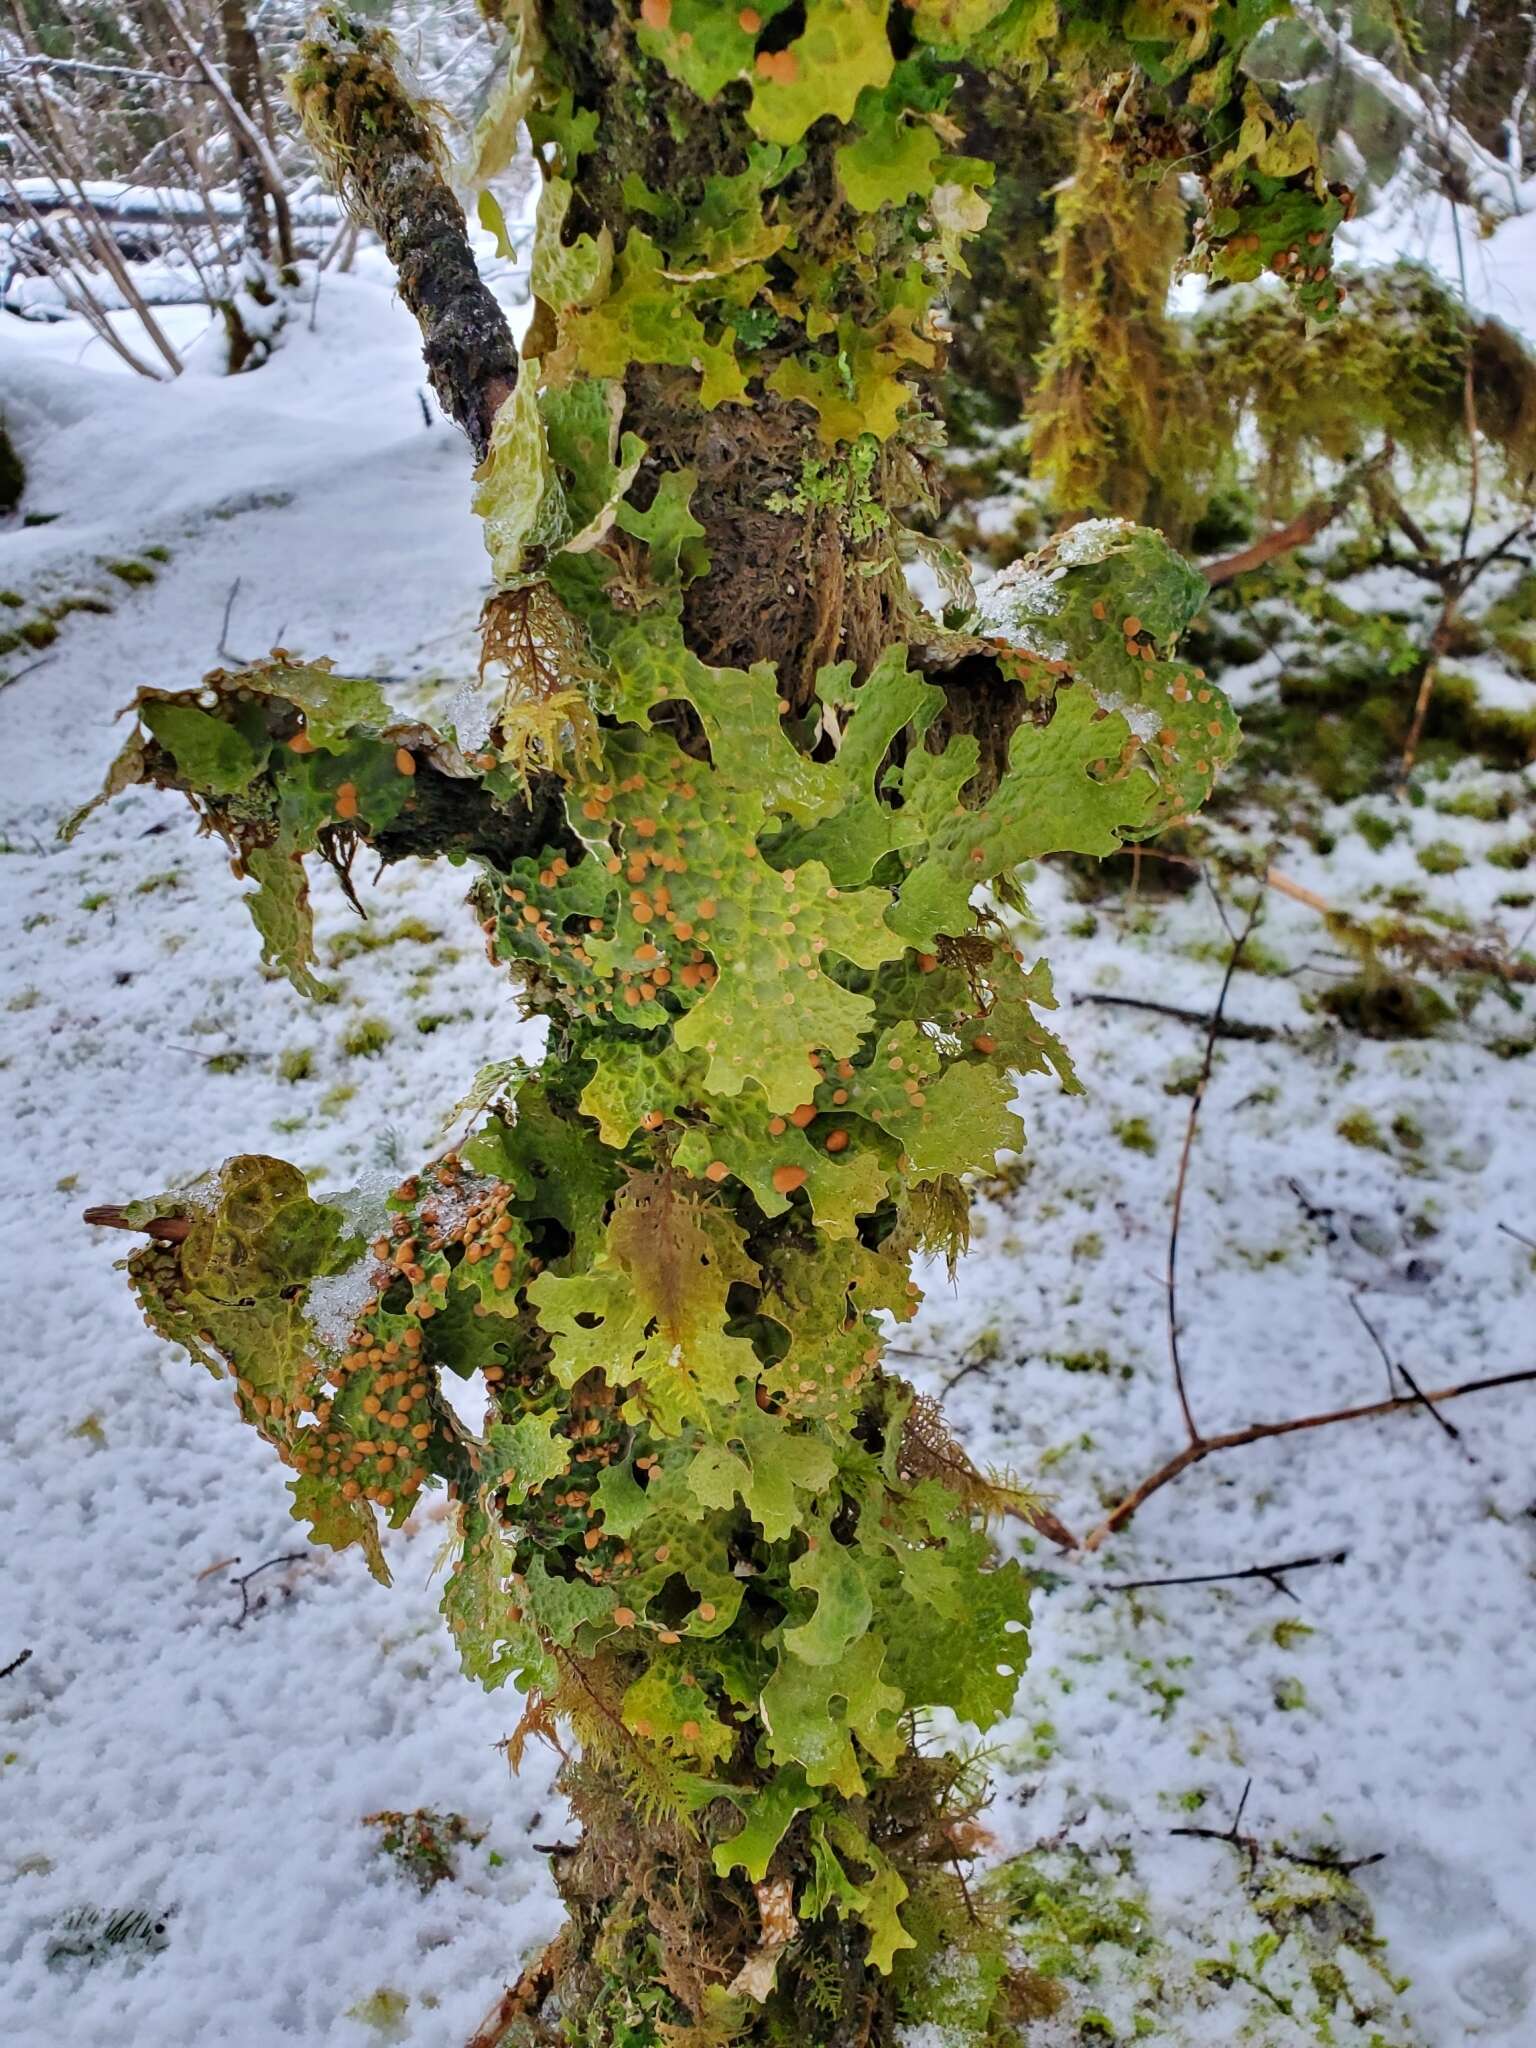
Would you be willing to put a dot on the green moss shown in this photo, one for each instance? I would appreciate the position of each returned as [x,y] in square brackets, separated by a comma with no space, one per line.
[297,1063]
[1512,853]
[424,1844]
[1407,1131]
[130,571]
[1375,830]
[12,599]
[371,938]
[1385,1005]
[366,1038]
[39,633]
[1441,857]
[1090,1361]
[1135,1134]
[1290,1695]
[158,553]
[1288,1633]
[384,2011]
[1359,1127]
[1489,805]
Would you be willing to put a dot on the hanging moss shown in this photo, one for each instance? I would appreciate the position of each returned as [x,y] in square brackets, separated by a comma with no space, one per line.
[1392,363]
[1114,384]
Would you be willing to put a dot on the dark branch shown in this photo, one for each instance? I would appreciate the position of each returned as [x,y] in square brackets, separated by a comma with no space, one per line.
[381,151]
[1226,1027]
[1307,524]
[1274,1573]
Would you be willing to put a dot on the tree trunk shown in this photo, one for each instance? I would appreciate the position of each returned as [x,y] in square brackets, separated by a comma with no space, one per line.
[735,798]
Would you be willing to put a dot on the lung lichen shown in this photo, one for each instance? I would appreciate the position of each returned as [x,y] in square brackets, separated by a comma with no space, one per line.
[728,822]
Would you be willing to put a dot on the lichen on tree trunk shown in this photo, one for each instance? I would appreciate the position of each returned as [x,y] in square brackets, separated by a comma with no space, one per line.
[736,797]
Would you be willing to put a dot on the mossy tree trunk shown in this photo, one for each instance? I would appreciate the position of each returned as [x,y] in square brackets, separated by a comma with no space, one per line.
[736,796]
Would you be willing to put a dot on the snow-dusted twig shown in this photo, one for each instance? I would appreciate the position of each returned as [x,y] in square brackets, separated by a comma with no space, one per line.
[1420,101]
[15,1664]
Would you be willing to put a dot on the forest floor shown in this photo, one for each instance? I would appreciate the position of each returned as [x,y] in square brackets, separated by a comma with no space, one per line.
[204,1748]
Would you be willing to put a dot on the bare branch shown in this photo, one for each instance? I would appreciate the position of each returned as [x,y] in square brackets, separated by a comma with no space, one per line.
[1258,1432]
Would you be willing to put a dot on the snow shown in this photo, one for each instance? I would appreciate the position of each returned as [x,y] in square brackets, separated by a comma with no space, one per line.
[154,1753]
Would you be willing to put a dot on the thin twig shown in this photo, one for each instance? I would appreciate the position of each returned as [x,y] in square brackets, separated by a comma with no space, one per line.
[1519,1237]
[15,1664]
[1274,1573]
[225,653]
[1413,1386]
[1258,1432]
[968,1364]
[1195,1101]
[1227,1834]
[1224,1028]
[288,1557]
[27,669]
[1253,1848]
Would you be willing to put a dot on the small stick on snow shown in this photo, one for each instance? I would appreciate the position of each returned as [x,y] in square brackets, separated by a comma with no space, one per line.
[288,1557]
[1413,1386]
[1253,1848]
[1519,1237]
[1225,1028]
[15,1664]
[1195,1101]
[224,651]
[1274,1573]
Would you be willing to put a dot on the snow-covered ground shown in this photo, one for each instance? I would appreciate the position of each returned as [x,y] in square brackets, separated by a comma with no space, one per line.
[163,1749]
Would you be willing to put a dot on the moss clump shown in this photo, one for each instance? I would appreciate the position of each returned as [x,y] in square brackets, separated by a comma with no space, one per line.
[1441,857]
[130,571]
[424,1844]
[1385,1005]
[366,1038]
[297,1063]
[1359,1127]
[39,633]
[1135,1134]
[1376,831]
